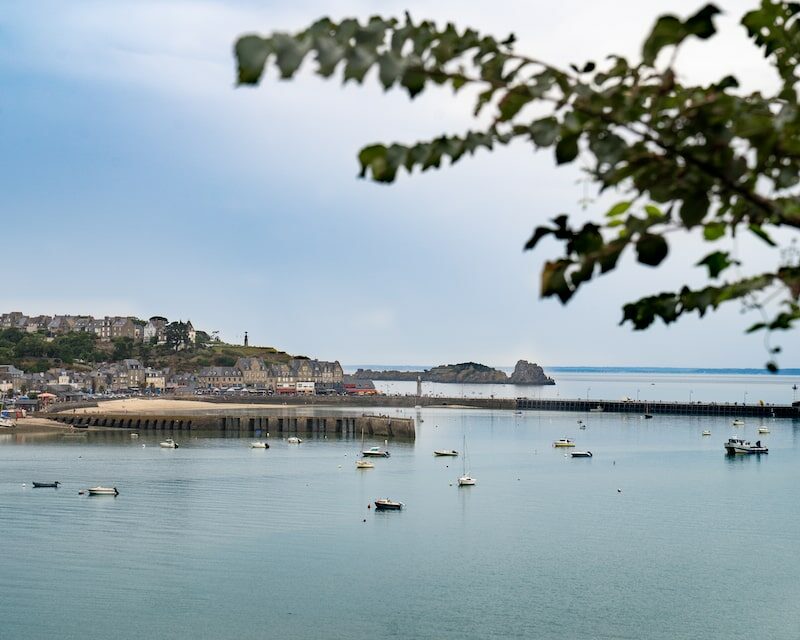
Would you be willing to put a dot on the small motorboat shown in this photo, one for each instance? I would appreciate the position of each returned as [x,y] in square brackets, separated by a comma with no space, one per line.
[46,485]
[763,429]
[375,452]
[103,491]
[259,445]
[466,481]
[364,464]
[598,409]
[169,443]
[583,426]
[8,423]
[648,416]
[446,452]
[388,505]
[134,435]
[738,422]
[706,432]
[564,442]
[736,446]
[293,440]
[581,454]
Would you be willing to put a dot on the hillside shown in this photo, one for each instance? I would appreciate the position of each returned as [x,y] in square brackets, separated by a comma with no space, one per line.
[465,373]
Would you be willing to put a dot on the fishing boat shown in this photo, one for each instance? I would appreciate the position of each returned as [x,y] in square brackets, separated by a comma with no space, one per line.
[465,480]
[738,422]
[46,485]
[103,491]
[763,429]
[385,504]
[706,432]
[360,462]
[169,443]
[598,409]
[736,446]
[259,445]
[446,452]
[293,440]
[581,454]
[564,442]
[375,452]
[648,416]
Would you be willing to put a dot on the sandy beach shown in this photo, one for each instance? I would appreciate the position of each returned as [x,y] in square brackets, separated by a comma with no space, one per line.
[158,405]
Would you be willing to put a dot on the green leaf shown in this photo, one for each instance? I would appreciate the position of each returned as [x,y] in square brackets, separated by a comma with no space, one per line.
[701,24]
[714,231]
[512,102]
[619,208]
[544,132]
[390,69]
[757,230]
[538,234]
[251,56]
[693,209]
[651,249]
[668,30]
[716,263]
[567,149]
[359,60]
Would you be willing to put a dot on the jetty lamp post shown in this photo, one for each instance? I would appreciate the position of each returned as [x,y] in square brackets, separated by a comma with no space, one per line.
[745,398]
[637,395]
[587,393]
[690,396]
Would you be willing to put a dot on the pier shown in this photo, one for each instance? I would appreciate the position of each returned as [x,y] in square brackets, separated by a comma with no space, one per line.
[662,408]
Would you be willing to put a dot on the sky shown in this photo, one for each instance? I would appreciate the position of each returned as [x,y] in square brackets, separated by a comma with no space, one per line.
[136,179]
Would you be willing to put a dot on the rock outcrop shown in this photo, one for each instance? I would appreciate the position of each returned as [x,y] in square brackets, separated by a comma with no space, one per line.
[529,373]
[464,373]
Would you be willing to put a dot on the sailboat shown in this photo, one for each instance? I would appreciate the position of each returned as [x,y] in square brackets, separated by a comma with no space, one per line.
[362,463]
[465,480]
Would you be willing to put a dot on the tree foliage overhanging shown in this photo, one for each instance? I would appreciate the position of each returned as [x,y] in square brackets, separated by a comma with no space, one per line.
[685,157]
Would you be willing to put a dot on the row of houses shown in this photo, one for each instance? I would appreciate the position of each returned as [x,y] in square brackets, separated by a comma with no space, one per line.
[255,373]
[299,375]
[107,328]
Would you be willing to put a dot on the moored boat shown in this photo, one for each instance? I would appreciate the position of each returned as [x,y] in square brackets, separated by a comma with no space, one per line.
[375,452]
[259,445]
[293,440]
[738,422]
[706,432]
[763,429]
[465,480]
[364,464]
[103,491]
[740,446]
[7,423]
[581,454]
[385,504]
[169,443]
[46,485]
[446,452]
[564,442]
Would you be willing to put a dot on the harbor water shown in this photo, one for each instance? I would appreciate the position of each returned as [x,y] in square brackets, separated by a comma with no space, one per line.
[659,535]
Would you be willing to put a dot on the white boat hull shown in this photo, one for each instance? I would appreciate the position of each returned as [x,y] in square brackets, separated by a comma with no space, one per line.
[103,491]
[466,481]
[364,464]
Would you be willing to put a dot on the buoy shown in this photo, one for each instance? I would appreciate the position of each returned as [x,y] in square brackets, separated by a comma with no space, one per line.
[24,485]
[369,506]
[81,492]
[619,490]
[364,520]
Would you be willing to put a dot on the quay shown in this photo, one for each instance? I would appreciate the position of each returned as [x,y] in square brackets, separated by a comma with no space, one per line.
[247,425]
[663,408]
[541,404]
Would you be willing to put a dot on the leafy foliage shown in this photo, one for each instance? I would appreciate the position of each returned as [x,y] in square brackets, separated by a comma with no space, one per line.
[707,158]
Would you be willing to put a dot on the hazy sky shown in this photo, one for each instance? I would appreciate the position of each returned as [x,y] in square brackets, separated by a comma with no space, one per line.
[136,179]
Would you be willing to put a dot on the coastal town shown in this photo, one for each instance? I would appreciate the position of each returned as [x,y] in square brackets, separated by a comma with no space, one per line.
[74,356]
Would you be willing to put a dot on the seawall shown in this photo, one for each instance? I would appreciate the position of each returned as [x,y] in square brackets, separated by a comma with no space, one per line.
[373,425]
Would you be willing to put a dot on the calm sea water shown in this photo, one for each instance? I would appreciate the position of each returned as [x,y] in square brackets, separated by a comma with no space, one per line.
[654,385]
[659,535]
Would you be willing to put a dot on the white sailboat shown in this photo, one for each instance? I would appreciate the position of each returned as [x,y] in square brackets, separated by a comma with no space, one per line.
[362,463]
[465,480]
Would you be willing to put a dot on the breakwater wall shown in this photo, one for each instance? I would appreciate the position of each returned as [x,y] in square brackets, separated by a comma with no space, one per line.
[663,408]
[373,425]
[360,401]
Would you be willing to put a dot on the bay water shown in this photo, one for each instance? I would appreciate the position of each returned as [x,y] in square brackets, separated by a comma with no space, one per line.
[659,535]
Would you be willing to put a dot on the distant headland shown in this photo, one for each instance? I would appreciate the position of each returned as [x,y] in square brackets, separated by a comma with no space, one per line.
[464,373]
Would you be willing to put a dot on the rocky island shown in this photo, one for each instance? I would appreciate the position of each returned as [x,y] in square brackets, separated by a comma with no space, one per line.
[465,373]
